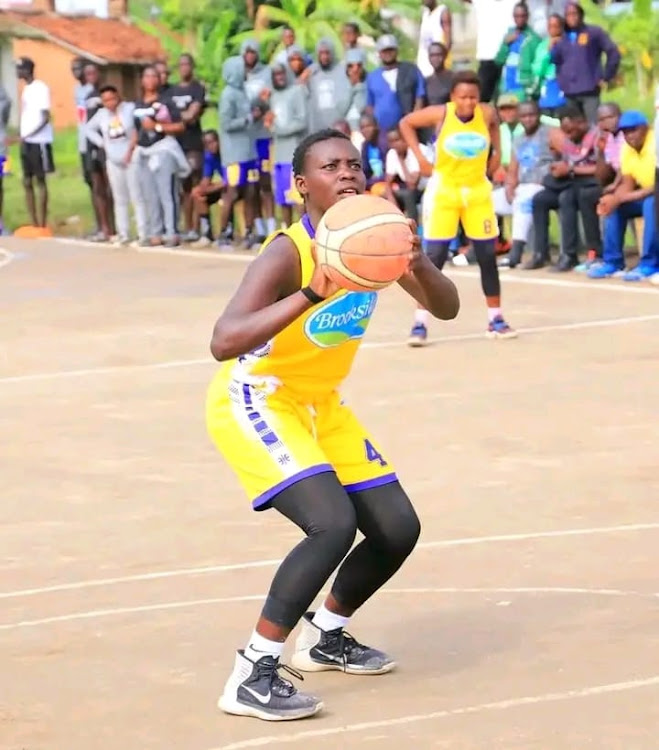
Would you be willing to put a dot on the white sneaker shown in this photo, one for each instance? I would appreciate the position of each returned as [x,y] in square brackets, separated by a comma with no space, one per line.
[256,689]
[655,279]
[319,650]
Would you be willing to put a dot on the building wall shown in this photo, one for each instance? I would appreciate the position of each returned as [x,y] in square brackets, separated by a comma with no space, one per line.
[8,78]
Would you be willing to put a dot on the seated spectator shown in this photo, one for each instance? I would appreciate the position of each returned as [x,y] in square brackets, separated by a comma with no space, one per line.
[516,55]
[373,156]
[532,154]
[545,84]
[208,192]
[287,121]
[609,146]
[509,129]
[572,189]
[403,176]
[112,129]
[633,198]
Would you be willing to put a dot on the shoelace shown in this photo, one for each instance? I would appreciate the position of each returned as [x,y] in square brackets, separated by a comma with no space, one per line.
[345,642]
[270,670]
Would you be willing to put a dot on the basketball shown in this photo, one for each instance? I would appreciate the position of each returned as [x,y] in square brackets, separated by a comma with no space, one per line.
[363,243]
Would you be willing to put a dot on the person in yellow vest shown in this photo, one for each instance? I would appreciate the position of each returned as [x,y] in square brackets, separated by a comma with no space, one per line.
[467,151]
[288,338]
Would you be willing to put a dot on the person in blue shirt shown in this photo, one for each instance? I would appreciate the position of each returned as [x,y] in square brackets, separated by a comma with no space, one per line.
[208,191]
[393,90]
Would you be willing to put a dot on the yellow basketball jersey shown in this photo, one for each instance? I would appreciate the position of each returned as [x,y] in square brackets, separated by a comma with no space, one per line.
[462,149]
[314,354]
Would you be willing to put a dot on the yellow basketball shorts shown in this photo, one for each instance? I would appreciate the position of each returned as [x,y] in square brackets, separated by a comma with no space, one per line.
[446,206]
[272,441]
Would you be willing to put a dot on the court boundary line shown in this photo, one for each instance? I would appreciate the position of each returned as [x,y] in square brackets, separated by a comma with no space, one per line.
[500,705]
[244,257]
[6,257]
[95,614]
[209,569]
[367,345]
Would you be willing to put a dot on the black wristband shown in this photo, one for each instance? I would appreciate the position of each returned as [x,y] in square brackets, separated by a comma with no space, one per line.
[309,293]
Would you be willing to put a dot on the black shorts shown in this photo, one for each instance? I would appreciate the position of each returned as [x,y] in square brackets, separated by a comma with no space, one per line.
[94,159]
[37,160]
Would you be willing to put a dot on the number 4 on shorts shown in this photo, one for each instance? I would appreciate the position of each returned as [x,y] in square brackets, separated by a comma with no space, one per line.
[372,453]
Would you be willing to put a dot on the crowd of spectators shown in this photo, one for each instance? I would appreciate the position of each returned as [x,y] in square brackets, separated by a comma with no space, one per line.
[562,149]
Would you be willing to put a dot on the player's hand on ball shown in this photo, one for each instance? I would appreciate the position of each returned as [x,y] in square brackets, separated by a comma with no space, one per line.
[320,281]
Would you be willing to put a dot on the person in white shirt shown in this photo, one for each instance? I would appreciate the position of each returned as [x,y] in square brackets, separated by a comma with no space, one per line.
[436,26]
[404,184]
[36,132]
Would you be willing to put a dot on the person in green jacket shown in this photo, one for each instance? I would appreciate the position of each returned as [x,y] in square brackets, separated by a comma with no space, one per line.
[516,55]
[545,85]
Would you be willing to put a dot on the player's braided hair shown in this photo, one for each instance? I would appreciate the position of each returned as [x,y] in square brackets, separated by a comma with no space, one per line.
[327,134]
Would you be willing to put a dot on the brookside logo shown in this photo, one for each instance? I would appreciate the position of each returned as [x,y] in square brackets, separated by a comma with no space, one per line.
[341,319]
[465,145]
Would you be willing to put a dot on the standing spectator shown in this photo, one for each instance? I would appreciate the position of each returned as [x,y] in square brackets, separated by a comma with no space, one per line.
[36,132]
[163,76]
[545,84]
[516,55]
[5,110]
[403,176]
[492,19]
[373,155]
[350,34]
[258,80]
[532,155]
[393,90]
[297,63]
[288,42]
[439,82]
[112,129]
[95,157]
[572,188]
[356,73]
[160,161]
[240,171]
[287,121]
[189,97]
[633,198]
[330,90]
[578,59]
[80,93]
[436,26]
[207,192]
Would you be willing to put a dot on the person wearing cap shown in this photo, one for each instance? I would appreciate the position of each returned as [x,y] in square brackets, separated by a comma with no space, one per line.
[516,55]
[258,80]
[36,132]
[393,90]
[633,198]
[578,59]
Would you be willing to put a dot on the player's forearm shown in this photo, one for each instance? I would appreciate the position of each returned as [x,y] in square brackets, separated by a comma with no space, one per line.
[234,336]
[440,294]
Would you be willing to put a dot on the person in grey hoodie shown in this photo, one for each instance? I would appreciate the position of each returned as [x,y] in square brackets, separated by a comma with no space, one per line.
[240,170]
[330,90]
[111,129]
[257,84]
[287,120]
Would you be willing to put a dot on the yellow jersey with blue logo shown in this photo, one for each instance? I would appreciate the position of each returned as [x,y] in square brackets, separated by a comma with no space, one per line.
[313,354]
[462,149]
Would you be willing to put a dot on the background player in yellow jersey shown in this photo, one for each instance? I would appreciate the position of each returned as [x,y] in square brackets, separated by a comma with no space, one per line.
[466,151]
[288,338]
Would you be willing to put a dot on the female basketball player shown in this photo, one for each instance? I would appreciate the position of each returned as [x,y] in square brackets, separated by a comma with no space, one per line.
[467,139]
[274,413]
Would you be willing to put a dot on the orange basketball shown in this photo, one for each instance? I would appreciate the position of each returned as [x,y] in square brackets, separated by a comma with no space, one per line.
[363,243]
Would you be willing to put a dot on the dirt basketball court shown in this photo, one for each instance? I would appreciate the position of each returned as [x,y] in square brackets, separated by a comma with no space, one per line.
[131,566]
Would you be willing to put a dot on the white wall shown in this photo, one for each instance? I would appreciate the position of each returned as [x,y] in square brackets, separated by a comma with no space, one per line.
[96,7]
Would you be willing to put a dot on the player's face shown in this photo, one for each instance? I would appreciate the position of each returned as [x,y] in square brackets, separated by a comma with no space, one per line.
[529,116]
[211,144]
[151,80]
[465,96]
[332,171]
[635,137]
[110,100]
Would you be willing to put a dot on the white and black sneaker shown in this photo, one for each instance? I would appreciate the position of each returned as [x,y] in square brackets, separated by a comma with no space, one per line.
[256,689]
[319,650]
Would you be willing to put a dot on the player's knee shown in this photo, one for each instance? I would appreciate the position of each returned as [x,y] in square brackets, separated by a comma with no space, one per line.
[400,539]
[27,183]
[338,534]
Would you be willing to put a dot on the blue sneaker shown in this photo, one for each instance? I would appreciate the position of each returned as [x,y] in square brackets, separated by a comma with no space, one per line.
[499,329]
[640,273]
[418,336]
[603,271]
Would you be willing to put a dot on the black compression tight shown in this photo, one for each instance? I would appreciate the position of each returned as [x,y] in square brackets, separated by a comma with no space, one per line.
[437,251]
[330,519]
